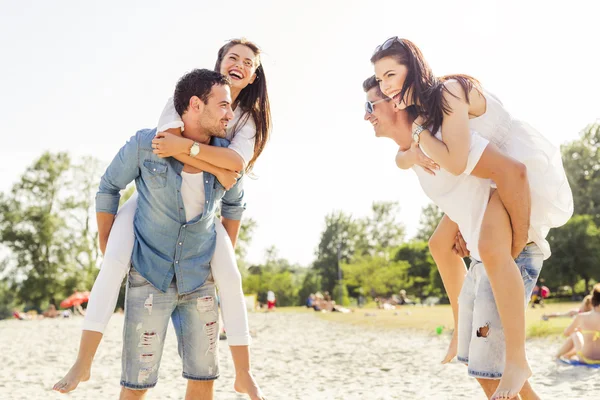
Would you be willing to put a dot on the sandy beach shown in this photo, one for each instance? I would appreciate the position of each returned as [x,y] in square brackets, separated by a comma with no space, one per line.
[296,356]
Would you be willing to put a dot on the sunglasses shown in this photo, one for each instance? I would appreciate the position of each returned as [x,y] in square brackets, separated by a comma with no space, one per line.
[370,105]
[387,44]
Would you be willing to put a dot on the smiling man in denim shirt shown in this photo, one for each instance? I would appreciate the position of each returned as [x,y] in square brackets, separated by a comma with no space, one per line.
[174,241]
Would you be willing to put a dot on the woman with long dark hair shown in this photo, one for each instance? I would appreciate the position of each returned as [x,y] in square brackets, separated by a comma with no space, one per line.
[248,132]
[447,109]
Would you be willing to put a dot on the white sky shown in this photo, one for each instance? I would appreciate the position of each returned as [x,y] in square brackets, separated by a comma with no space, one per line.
[83,76]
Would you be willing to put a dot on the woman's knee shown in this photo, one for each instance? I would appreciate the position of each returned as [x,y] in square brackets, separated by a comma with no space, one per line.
[490,251]
[439,247]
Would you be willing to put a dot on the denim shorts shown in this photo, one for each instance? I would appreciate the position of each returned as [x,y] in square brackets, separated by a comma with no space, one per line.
[147,314]
[481,342]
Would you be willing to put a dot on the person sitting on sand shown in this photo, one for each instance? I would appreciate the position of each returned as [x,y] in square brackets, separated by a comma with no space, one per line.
[586,305]
[404,298]
[51,312]
[583,335]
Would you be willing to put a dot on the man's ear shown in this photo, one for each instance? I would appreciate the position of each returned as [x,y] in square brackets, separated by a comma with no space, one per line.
[196,104]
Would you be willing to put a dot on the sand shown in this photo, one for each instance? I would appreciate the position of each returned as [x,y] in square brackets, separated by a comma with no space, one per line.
[296,356]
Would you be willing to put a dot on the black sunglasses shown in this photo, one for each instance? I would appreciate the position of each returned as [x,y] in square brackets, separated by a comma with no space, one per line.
[370,105]
[387,44]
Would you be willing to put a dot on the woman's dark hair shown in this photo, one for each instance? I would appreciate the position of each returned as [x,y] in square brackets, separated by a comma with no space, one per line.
[253,99]
[596,295]
[427,89]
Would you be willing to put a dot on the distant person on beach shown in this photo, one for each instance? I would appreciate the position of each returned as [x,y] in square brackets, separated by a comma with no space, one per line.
[403,298]
[271,300]
[464,198]
[51,312]
[586,305]
[583,335]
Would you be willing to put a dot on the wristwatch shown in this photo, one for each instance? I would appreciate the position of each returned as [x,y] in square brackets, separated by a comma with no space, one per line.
[195,149]
[417,133]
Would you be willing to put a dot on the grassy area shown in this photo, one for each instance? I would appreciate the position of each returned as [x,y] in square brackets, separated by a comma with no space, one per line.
[429,318]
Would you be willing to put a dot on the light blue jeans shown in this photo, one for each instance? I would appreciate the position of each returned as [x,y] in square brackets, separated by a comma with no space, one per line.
[484,352]
[147,313]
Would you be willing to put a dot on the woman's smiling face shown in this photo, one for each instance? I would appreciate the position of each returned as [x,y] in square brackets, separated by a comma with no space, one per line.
[239,65]
[391,76]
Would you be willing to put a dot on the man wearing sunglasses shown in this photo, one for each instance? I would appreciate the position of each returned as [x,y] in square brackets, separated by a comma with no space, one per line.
[462,198]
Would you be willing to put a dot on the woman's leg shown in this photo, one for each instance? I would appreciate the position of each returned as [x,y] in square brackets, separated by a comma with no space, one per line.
[233,307]
[495,245]
[452,270]
[566,348]
[104,295]
[577,339]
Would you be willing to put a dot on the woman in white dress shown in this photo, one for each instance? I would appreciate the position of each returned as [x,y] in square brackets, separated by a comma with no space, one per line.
[248,132]
[458,104]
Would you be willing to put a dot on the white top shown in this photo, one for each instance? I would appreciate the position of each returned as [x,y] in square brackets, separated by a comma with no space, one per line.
[192,193]
[551,196]
[240,133]
[464,198]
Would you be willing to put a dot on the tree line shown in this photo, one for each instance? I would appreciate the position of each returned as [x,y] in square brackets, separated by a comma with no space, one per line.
[49,246]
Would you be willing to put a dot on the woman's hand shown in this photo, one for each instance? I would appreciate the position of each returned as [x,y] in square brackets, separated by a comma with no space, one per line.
[228,178]
[166,144]
[422,160]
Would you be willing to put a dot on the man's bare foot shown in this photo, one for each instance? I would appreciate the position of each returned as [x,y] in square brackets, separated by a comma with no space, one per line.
[245,383]
[452,348]
[513,379]
[77,373]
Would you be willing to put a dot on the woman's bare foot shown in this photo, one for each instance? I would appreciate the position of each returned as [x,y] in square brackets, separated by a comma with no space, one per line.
[245,383]
[77,373]
[452,348]
[513,379]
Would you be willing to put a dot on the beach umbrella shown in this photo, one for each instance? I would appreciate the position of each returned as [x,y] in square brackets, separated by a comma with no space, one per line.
[75,299]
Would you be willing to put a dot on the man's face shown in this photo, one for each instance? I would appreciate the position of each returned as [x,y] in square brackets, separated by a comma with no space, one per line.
[216,114]
[388,121]
[382,118]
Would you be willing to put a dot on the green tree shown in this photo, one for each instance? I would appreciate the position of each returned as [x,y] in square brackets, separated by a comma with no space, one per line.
[431,216]
[34,227]
[382,230]
[338,238]
[417,255]
[244,239]
[581,159]
[376,275]
[575,253]
[79,208]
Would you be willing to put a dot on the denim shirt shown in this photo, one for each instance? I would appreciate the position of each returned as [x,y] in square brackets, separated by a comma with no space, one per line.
[167,245]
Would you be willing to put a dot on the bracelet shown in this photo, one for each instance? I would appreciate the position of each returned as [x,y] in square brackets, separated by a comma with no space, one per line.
[417,133]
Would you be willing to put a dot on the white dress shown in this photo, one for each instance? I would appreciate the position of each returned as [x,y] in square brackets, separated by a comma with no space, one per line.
[115,265]
[551,196]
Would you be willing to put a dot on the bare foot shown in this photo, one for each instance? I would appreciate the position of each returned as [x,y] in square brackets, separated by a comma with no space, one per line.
[245,383]
[513,379]
[452,348]
[77,373]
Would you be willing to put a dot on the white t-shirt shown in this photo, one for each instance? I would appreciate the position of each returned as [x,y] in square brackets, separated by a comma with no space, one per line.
[464,198]
[240,133]
[192,193]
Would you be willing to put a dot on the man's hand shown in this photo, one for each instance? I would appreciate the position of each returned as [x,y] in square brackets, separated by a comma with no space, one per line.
[422,160]
[460,247]
[166,144]
[227,178]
